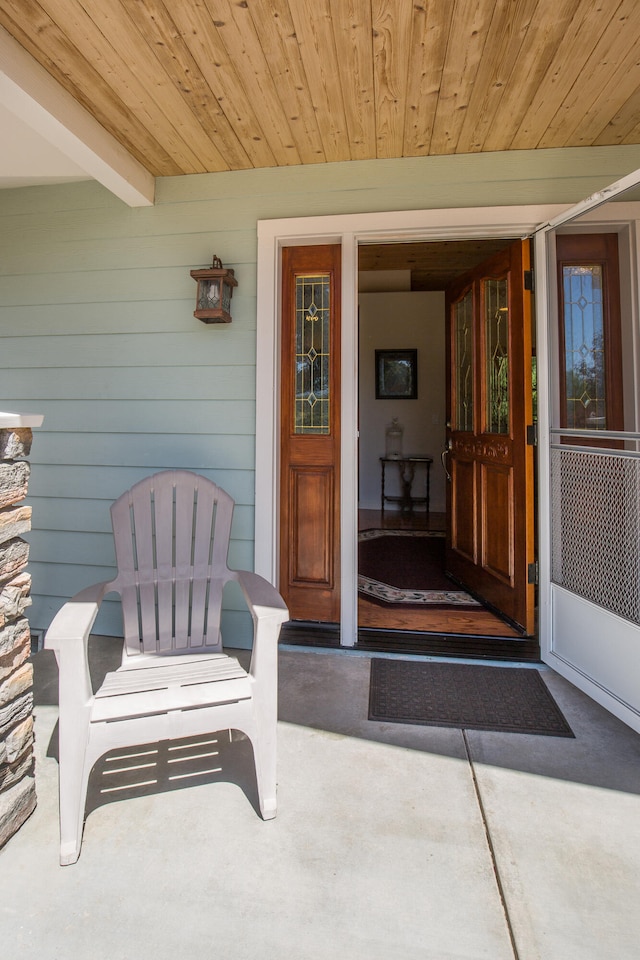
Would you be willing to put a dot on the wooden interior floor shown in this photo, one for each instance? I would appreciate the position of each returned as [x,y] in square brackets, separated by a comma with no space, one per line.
[468,622]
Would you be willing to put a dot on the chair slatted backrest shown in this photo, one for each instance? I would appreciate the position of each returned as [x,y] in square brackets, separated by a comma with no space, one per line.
[171,533]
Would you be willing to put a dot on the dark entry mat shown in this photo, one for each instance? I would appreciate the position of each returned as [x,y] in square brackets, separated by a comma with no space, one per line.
[507,699]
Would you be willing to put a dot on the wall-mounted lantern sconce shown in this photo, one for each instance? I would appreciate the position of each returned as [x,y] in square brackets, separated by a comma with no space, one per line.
[215,289]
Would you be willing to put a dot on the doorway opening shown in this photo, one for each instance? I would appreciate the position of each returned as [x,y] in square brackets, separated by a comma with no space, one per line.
[404,507]
[570,627]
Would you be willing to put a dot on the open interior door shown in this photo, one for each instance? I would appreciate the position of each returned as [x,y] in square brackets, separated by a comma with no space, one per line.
[490,497]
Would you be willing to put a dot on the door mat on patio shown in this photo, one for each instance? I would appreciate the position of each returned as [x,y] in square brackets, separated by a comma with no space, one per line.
[400,568]
[507,699]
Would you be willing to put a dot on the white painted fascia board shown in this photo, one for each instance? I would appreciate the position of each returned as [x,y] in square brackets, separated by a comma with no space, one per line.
[14,421]
[28,91]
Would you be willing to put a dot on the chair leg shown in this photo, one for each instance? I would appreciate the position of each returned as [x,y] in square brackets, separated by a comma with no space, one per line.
[264,753]
[73,778]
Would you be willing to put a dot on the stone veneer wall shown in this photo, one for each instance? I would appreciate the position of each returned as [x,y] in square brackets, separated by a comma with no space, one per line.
[17,783]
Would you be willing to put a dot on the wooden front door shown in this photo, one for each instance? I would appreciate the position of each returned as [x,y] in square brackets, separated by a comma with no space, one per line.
[310,433]
[490,498]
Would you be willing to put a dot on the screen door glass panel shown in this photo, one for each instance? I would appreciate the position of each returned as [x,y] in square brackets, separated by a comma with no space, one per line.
[583,319]
[312,355]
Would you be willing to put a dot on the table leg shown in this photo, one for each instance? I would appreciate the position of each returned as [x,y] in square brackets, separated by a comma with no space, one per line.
[428,466]
[407,473]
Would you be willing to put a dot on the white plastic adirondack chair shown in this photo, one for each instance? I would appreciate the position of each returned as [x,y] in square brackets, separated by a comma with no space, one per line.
[171,535]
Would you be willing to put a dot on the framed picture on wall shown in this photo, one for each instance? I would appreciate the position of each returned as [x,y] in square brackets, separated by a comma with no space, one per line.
[396,374]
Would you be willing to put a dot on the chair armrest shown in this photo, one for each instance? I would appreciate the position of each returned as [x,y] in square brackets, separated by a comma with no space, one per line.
[269,611]
[262,598]
[68,636]
[73,622]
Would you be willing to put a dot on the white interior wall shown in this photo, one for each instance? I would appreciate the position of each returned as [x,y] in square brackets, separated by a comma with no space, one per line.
[400,321]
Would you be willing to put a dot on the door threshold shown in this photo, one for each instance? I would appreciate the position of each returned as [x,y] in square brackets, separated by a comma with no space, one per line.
[475,646]
[465,646]
[310,633]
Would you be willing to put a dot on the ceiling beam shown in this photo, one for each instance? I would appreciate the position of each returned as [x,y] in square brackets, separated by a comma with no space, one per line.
[28,91]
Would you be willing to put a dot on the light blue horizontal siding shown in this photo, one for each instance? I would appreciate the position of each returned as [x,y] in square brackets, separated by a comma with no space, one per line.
[114,286]
[97,329]
[73,319]
[236,624]
[89,515]
[93,516]
[516,171]
[60,553]
[119,384]
[223,206]
[44,608]
[193,452]
[68,196]
[165,417]
[107,483]
[93,549]
[521,169]
[101,255]
[220,348]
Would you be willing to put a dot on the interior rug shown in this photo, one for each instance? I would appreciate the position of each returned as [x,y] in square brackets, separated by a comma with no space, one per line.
[401,567]
[507,699]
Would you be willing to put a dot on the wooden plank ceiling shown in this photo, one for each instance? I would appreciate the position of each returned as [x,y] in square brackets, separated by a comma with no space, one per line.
[194,86]
[432,265]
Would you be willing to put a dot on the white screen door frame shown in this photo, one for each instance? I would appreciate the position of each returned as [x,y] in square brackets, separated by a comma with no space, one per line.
[591,646]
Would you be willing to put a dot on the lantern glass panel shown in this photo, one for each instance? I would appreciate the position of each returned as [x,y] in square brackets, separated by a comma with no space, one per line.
[226,297]
[209,298]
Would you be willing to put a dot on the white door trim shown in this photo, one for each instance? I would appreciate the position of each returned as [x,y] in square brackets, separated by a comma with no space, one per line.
[350,230]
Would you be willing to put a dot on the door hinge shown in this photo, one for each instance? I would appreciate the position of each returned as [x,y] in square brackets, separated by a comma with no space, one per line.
[532,573]
[532,435]
[529,280]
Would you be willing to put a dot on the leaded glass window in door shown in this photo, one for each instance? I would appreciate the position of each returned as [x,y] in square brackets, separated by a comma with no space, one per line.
[312,355]
[590,375]
[496,326]
[463,362]
[585,388]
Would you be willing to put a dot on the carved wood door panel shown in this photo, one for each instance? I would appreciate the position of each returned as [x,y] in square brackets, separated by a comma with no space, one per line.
[490,498]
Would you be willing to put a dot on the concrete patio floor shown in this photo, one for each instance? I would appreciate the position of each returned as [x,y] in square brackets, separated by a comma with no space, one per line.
[391,841]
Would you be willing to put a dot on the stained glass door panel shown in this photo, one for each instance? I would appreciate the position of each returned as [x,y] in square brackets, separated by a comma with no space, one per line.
[591,380]
[312,354]
[463,367]
[496,330]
